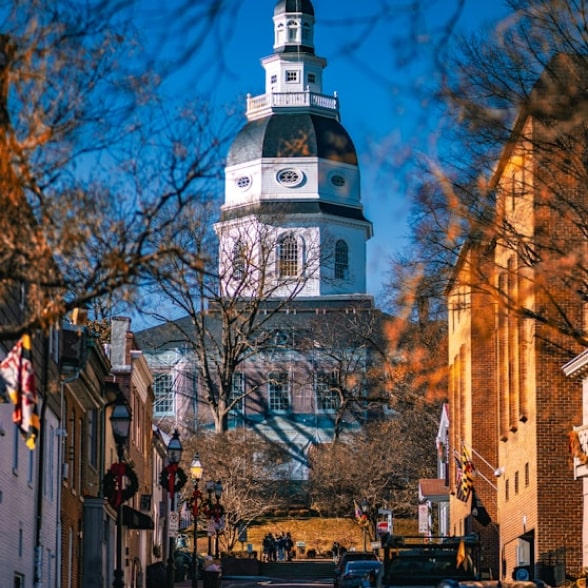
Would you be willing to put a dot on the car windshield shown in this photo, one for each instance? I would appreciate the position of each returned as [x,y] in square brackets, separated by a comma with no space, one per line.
[362,566]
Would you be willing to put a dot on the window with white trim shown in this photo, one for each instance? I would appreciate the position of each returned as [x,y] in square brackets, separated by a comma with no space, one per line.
[292,30]
[239,261]
[238,390]
[279,391]
[163,404]
[292,75]
[287,257]
[326,389]
[341,260]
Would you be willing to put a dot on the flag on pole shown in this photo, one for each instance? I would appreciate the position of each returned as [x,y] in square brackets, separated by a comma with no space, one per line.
[18,383]
[479,511]
[464,479]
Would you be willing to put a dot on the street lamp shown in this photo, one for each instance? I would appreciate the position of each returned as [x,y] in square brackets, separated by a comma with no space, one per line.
[365,507]
[196,474]
[218,492]
[174,454]
[120,420]
[209,507]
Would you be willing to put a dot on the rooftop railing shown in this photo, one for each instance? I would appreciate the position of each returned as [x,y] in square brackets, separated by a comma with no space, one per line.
[258,106]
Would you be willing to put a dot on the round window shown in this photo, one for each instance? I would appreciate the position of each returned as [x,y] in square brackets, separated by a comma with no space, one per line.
[243,182]
[337,180]
[289,177]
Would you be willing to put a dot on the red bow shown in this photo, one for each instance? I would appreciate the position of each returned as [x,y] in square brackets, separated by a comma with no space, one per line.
[119,470]
[172,468]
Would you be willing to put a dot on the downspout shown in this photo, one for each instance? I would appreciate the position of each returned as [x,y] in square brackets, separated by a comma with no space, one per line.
[62,434]
[38,570]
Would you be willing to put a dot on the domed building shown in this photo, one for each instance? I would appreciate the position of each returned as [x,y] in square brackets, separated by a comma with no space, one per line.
[293,167]
[285,335]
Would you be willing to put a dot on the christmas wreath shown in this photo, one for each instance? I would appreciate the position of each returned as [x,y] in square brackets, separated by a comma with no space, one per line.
[114,491]
[172,478]
[213,511]
[576,448]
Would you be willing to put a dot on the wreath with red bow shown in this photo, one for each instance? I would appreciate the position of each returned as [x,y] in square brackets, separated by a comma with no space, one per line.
[172,478]
[120,483]
[212,510]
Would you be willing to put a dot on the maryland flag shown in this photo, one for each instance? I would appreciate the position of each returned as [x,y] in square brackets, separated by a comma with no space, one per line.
[464,479]
[360,516]
[18,384]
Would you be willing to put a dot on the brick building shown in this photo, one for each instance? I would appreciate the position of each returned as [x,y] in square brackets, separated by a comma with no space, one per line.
[511,405]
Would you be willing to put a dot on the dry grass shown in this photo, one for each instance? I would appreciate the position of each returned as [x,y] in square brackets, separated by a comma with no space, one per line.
[320,533]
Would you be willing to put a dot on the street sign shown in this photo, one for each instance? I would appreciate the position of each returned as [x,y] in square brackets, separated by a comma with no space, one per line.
[423,518]
[174,524]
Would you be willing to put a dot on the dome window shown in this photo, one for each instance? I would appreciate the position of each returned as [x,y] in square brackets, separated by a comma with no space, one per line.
[287,257]
[341,260]
[337,180]
[243,182]
[289,177]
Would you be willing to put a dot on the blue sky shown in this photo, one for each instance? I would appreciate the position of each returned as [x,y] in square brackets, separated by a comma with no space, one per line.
[379,68]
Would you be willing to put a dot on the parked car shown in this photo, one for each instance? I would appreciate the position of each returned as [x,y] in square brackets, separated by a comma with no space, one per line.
[361,573]
[351,556]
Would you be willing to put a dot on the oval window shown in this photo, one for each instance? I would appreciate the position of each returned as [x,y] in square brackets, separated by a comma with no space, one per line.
[289,177]
[243,182]
[337,180]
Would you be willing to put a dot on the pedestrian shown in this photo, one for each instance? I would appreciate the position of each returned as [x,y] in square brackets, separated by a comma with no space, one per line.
[289,546]
[281,547]
[266,547]
[335,551]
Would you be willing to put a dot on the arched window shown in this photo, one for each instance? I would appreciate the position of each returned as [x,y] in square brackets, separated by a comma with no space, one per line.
[239,261]
[287,257]
[292,30]
[341,260]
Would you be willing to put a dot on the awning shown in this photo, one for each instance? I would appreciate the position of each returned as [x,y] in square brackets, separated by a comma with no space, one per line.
[134,519]
[433,489]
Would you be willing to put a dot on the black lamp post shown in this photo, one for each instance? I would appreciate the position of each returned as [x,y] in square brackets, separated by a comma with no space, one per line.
[209,507]
[218,492]
[365,507]
[120,419]
[196,474]
[174,454]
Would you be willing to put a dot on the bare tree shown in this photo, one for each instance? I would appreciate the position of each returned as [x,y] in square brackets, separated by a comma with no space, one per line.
[381,465]
[240,460]
[95,163]
[231,315]
[516,109]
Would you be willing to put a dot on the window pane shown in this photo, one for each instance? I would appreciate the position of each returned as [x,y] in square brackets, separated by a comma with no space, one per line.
[164,397]
[288,257]
[279,391]
[327,396]
[238,389]
[341,260]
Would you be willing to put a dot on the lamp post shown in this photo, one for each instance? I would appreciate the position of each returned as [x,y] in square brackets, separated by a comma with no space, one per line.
[120,420]
[209,507]
[365,507]
[196,474]
[174,454]
[218,492]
